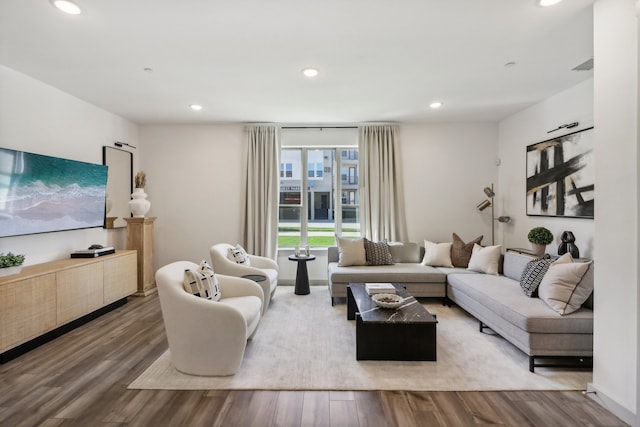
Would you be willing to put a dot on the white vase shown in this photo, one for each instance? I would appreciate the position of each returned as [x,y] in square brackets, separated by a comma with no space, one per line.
[8,271]
[139,205]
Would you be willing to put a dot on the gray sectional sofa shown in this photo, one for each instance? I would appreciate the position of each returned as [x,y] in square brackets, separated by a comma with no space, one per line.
[498,302]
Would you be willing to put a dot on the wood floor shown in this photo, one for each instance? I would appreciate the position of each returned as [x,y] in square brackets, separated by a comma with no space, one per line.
[81,378]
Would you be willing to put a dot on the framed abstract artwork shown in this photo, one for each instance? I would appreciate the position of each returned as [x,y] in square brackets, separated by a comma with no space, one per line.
[561,176]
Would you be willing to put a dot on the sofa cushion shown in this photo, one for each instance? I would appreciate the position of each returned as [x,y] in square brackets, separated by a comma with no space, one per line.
[532,275]
[514,264]
[485,259]
[202,282]
[405,251]
[504,297]
[377,253]
[437,254]
[461,251]
[351,251]
[397,273]
[562,287]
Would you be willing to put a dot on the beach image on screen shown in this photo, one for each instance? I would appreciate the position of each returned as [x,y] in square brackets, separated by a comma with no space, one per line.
[42,193]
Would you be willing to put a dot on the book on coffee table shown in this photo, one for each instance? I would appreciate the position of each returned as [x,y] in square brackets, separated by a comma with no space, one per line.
[380,288]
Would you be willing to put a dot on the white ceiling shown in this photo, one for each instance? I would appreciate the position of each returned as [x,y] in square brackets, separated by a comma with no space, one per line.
[379,60]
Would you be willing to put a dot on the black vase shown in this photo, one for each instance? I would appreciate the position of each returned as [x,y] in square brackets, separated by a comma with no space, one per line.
[568,245]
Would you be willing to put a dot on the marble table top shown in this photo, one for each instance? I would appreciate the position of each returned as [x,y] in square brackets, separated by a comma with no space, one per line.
[410,312]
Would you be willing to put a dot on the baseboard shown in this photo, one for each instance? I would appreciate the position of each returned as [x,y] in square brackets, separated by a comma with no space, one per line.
[611,405]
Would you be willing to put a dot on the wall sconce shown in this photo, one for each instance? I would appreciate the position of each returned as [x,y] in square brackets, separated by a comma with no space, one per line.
[488,191]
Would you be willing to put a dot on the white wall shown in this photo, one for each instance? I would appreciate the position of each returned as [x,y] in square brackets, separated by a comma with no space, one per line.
[41,119]
[194,176]
[615,375]
[445,168]
[529,127]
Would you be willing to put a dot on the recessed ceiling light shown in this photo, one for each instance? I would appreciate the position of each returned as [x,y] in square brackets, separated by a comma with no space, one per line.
[67,6]
[435,105]
[147,70]
[310,72]
[510,64]
[195,107]
[545,3]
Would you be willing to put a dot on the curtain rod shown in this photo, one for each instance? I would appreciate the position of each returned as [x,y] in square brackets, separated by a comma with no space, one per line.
[319,127]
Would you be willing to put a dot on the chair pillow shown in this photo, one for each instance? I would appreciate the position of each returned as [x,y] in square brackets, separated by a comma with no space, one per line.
[352,252]
[562,288]
[239,255]
[202,282]
[461,251]
[485,259]
[377,253]
[533,273]
[437,254]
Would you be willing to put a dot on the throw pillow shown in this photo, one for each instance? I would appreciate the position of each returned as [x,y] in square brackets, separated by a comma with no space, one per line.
[485,259]
[351,252]
[239,255]
[437,254]
[377,253]
[562,288]
[461,251]
[532,275]
[202,282]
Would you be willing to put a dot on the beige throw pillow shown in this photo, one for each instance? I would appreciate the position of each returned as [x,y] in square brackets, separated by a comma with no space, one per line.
[485,259]
[351,252]
[561,287]
[437,254]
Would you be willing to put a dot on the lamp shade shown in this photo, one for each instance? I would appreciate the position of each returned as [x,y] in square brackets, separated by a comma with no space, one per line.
[489,192]
[484,205]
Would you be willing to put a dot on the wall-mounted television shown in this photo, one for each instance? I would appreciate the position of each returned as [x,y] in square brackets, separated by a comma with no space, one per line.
[40,194]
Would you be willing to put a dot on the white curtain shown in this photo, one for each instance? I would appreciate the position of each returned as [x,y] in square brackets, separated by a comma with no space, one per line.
[381,196]
[260,222]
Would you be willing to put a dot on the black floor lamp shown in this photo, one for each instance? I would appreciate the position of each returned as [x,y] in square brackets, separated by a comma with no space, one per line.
[489,203]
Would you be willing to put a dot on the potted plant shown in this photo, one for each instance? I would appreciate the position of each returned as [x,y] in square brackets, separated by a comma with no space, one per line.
[540,237]
[10,264]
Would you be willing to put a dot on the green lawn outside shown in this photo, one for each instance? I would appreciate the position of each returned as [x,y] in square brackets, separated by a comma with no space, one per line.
[314,241]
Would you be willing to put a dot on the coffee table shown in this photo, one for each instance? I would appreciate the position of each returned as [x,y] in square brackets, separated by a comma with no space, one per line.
[405,333]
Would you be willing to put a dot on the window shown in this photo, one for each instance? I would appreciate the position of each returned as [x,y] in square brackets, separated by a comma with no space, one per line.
[318,189]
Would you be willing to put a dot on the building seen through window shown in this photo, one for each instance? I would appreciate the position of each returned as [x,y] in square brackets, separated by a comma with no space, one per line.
[319,196]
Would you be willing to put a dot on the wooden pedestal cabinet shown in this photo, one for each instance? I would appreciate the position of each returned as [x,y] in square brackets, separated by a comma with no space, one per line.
[140,238]
[45,300]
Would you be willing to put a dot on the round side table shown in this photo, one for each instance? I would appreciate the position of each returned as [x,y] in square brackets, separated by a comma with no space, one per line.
[302,276]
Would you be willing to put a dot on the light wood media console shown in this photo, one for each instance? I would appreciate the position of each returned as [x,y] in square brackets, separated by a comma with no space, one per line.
[47,300]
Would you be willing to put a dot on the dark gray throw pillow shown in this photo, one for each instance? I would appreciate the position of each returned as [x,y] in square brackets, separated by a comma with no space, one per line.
[532,275]
[377,253]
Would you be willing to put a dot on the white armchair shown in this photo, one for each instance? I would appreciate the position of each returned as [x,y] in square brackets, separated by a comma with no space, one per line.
[208,337]
[260,266]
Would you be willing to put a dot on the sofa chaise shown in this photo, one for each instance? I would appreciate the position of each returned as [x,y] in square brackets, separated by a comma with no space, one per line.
[497,301]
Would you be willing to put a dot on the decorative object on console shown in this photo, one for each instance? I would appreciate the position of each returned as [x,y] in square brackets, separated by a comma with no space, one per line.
[489,203]
[139,204]
[568,245]
[10,264]
[539,237]
[461,251]
[561,176]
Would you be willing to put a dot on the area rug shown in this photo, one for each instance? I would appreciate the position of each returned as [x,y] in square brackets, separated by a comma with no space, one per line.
[304,343]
